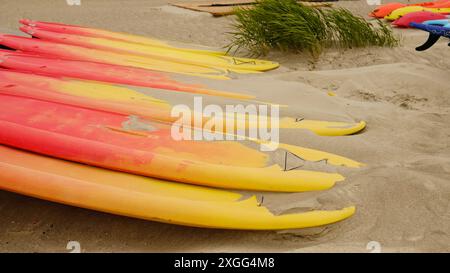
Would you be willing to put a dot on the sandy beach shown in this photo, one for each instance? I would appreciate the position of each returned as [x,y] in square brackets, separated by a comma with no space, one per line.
[402,195]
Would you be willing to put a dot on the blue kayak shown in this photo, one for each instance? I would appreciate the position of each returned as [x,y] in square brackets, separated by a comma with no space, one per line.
[435,31]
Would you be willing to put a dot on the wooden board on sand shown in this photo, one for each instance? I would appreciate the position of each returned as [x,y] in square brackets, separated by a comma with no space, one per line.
[227,7]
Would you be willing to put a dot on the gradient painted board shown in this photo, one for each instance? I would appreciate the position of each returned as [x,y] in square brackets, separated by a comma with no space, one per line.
[127,101]
[70,52]
[130,144]
[145,198]
[100,33]
[48,65]
[234,64]
[124,101]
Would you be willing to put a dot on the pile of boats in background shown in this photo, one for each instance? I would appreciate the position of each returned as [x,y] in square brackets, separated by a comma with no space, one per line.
[432,17]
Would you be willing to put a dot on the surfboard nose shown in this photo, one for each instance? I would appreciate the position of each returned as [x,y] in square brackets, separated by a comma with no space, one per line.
[2,36]
[27,29]
[26,22]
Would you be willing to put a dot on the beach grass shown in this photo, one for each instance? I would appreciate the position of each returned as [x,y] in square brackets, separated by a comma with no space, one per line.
[288,25]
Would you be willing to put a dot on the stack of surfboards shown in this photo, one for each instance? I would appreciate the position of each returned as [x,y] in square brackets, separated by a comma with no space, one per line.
[432,17]
[71,132]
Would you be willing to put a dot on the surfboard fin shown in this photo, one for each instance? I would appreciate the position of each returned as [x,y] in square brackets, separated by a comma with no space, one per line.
[432,39]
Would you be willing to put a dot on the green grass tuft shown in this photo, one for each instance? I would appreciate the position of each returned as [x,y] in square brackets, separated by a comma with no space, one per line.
[288,25]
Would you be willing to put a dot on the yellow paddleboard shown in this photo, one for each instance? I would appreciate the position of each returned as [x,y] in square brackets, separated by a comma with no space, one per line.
[235,64]
[145,198]
[394,15]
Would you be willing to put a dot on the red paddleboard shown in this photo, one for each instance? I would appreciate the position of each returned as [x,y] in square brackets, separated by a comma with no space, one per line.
[77,53]
[85,94]
[100,33]
[417,17]
[102,72]
[233,64]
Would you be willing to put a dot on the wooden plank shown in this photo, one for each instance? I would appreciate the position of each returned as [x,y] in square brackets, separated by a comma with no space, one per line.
[227,7]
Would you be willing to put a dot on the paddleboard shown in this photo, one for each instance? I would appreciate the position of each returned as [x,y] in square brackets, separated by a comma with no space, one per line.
[145,198]
[239,65]
[76,53]
[130,144]
[75,94]
[103,72]
[92,32]
[126,101]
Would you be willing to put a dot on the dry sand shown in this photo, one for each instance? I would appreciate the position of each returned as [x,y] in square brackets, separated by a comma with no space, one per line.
[402,195]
